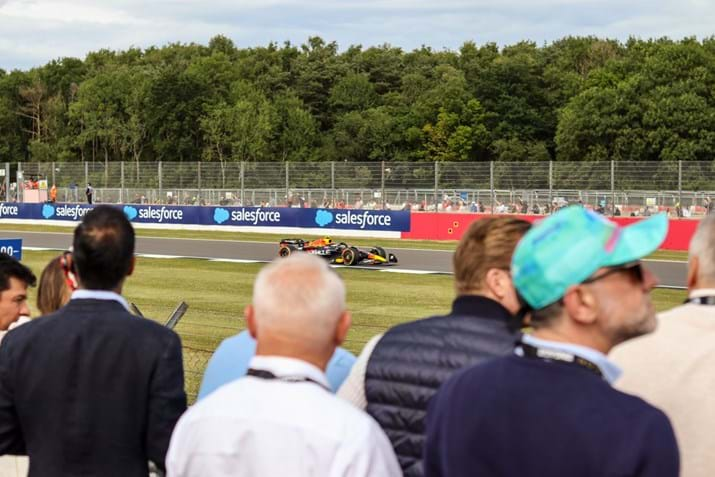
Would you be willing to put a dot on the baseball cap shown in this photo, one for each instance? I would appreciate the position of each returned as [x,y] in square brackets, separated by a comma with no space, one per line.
[569,246]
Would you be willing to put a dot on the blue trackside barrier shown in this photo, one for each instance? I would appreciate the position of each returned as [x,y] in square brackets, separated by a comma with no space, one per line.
[346,219]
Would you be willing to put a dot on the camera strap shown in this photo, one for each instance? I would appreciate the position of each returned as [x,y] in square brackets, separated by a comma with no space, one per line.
[263,374]
[555,355]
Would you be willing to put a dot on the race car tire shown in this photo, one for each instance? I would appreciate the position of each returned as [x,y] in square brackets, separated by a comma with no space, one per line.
[351,256]
[285,250]
[381,252]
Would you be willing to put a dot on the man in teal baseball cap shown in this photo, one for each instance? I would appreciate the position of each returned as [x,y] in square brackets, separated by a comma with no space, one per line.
[570,247]
[551,403]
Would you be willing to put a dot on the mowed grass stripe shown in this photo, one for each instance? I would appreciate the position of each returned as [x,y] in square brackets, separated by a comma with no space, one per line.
[217,292]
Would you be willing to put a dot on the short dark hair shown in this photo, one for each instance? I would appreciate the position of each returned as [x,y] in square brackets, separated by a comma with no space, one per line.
[11,268]
[103,248]
[545,317]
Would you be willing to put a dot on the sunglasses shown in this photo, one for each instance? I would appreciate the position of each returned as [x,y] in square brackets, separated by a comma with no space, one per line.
[633,270]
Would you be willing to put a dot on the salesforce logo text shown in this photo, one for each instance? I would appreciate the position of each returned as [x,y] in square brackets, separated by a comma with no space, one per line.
[254,216]
[365,218]
[161,214]
[9,210]
[73,212]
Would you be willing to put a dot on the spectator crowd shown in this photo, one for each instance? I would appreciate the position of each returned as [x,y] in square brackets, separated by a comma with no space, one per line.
[551,362]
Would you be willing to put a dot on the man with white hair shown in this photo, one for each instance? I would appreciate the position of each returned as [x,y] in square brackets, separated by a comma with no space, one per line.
[673,367]
[282,419]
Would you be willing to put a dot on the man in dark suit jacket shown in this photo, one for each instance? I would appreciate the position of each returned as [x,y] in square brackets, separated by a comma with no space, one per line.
[91,389]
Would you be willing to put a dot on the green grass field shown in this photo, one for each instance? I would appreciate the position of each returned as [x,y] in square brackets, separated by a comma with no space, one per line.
[274,238]
[217,293]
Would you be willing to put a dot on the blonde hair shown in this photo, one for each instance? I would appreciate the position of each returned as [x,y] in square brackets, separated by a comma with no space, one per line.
[53,292]
[488,243]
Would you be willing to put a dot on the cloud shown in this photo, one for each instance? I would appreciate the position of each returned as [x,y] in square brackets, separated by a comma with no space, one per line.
[130,212]
[323,217]
[48,211]
[220,215]
[33,32]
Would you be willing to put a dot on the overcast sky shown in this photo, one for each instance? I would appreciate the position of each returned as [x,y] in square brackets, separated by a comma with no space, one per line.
[33,32]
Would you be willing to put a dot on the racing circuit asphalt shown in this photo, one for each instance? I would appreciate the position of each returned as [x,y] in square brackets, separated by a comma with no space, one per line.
[671,274]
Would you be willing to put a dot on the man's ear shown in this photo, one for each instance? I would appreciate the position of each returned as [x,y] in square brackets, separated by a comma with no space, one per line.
[250,315]
[581,305]
[341,331]
[496,283]
[693,269]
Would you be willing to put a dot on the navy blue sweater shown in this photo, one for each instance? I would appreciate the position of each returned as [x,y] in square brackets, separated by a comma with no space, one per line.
[526,417]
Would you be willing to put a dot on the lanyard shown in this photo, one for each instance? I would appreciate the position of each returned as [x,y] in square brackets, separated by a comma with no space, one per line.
[701,300]
[563,356]
[263,374]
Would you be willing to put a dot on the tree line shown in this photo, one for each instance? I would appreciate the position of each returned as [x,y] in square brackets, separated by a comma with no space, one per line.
[576,99]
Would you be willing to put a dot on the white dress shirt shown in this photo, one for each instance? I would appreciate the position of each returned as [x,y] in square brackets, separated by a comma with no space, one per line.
[275,428]
[353,388]
[107,295]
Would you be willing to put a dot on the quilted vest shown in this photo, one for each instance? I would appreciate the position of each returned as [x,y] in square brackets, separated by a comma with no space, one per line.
[412,360]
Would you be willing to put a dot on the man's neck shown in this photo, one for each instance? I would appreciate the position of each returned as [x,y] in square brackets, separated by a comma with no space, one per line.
[287,350]
[701,285]
[117,289]
[581,339]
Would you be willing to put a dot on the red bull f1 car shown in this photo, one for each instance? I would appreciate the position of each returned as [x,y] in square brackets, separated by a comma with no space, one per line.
[338,253]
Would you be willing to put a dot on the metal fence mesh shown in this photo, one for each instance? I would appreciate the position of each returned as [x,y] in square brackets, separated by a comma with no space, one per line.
[632,187]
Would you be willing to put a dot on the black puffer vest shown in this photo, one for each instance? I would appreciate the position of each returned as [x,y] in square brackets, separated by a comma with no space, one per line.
[412,360]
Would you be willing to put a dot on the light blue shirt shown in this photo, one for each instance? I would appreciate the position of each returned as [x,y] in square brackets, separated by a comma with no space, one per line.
[82,294]
[231,359]
[611,372]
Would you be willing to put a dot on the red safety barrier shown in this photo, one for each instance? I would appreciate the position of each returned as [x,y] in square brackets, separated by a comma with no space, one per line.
[450,226]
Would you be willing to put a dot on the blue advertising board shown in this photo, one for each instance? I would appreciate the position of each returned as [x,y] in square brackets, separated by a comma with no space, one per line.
[346,219]
[12,247]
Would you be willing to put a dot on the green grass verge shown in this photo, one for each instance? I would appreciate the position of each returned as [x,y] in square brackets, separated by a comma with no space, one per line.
[669,255]
[217,293]
[253,237]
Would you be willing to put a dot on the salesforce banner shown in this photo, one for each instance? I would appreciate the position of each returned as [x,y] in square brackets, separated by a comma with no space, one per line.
[381,220]
[348,219]
[162,214]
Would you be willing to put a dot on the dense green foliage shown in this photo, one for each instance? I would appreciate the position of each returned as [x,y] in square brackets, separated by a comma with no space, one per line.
[575,99]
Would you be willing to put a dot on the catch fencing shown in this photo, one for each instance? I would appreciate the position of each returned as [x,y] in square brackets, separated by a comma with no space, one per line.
[634,187]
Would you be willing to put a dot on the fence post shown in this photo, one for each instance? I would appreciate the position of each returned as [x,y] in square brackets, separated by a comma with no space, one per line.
[53,172]
[382,183]
[332,181]
[121,182]
[436,186]
[680,187]
[551,184]
[7,182]
[241,174]
[491,184]
[161,182]
[86,173]
[198,171]
[287,181]
[613,187]
[19,179]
